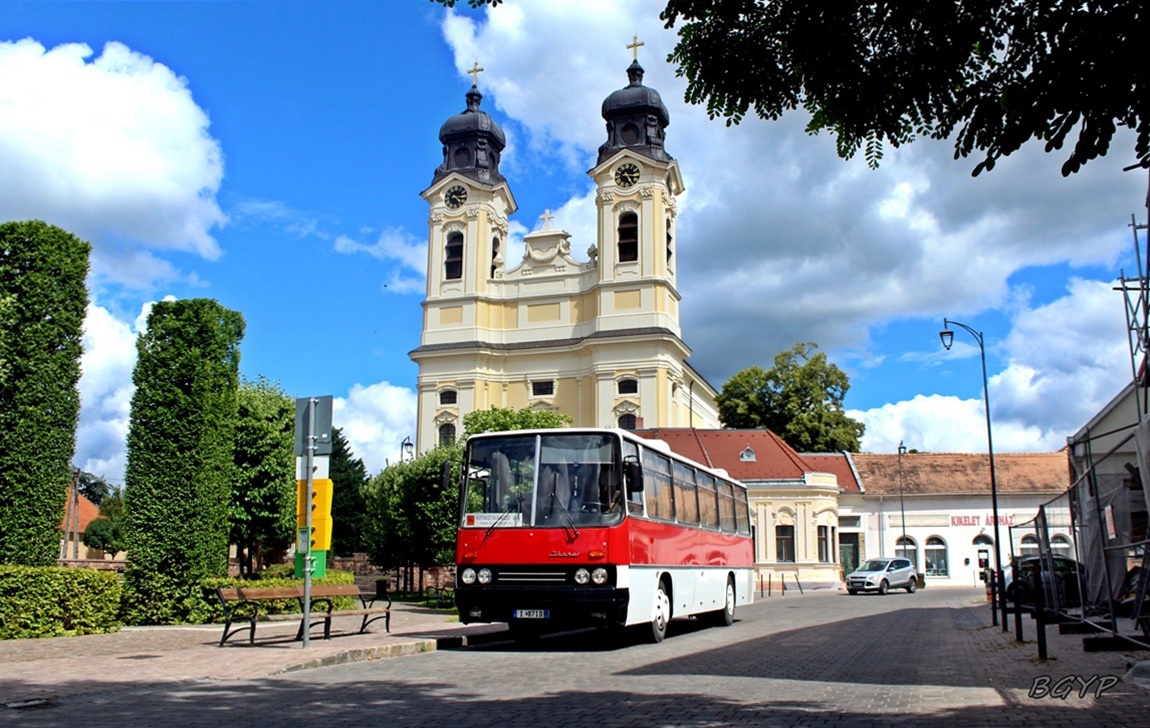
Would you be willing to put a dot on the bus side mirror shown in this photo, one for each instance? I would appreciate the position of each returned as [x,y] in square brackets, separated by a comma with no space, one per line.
[633,473]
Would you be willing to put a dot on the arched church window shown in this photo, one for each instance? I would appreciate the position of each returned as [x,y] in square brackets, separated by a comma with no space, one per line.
[446,434]
[628,386]
[628,422]
[669,247]
[453,260]
[628,237]
[448,396]
[494,254]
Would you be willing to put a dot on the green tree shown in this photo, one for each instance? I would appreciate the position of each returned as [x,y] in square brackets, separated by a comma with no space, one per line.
[500,418]
[42,284]
[800,399]
[995,74]
[411,518]
[180,442]
[93,487]
[348,508]
[263,490]
[107,532]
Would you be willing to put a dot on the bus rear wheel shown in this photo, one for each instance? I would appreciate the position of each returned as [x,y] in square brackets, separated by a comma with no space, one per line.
[662,614]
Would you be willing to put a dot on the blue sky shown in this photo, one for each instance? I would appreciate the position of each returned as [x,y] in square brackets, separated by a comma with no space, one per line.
[270,155]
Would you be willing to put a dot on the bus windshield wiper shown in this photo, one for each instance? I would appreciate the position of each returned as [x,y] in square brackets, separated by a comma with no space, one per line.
[562,508]
[518,506]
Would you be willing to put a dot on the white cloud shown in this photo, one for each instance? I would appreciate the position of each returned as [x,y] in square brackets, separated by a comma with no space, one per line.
[375,419]
[113,149]
[105,393]
[1065,361]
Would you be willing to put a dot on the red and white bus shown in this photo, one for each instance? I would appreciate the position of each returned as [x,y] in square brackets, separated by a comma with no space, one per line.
[585,526]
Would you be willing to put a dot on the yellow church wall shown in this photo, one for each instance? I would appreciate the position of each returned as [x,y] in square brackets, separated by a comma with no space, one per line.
[628,300]
[451,315]
[539,313]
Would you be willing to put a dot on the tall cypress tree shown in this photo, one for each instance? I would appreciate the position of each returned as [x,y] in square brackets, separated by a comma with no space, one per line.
[42,304]
[348,509]
[180,442]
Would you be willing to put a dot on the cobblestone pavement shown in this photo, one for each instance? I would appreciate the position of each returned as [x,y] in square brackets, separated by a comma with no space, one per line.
[817,659]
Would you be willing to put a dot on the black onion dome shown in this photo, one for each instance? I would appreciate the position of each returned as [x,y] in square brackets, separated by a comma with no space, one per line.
[636,119]
[472,142]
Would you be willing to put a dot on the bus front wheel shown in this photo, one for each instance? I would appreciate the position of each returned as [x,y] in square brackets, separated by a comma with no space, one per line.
[662,614]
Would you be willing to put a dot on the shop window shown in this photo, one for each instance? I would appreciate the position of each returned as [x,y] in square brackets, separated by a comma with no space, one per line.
[1061,546]
[936,558]
[1029,546]
[906,547]
[785,543]
[628,237]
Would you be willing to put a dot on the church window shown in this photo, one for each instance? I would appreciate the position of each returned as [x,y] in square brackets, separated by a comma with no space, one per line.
[543,389]
[446,434]
[628,422]
[453,261]
[669,248]
[449,396]
[494,254]
[628,237]
[628,386]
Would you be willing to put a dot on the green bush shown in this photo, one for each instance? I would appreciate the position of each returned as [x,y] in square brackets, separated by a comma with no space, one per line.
[48,601]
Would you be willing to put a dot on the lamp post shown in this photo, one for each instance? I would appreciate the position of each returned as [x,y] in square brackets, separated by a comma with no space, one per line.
[902,504]
[947,337]
[406,450]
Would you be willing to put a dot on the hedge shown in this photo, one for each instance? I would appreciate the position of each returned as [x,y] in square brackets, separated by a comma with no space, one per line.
[50,601]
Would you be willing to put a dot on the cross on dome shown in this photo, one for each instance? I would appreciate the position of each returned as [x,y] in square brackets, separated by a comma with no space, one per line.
[546,217]
[474,72]
[634,46]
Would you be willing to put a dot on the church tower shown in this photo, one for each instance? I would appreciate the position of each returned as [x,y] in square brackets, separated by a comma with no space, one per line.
[598,340]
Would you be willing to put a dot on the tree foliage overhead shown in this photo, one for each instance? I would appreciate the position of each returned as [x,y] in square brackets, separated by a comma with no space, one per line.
[800,399]
[348,508]
[180,441]
[44,298]
[263,488]
[995,74]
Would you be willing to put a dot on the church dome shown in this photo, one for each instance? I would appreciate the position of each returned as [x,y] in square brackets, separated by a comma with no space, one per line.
[636,119]
[472,142]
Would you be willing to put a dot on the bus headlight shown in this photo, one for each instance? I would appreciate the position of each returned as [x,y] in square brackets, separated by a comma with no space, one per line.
[599,576]
[485,576]
[468,576]
[582,576]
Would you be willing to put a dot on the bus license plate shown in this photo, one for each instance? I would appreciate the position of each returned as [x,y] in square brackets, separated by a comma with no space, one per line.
[531,613]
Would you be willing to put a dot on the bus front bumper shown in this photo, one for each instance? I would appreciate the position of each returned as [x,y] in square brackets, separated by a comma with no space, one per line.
[560,605]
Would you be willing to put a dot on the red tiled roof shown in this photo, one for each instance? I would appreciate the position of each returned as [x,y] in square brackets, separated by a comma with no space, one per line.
[962,473]
[838,464]
[774,459]
[88,513]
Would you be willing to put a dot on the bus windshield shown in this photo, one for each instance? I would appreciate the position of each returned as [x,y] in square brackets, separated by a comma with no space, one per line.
[560,480]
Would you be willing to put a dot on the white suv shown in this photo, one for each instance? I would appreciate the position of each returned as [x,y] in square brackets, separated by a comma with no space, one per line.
[882,575]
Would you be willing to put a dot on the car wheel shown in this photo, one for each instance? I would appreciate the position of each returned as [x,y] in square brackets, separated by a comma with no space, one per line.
[852,592]
[912,585]
[662,614]
[883,588]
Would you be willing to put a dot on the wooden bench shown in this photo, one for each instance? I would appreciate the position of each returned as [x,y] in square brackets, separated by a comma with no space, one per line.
[244,604]
[442,597]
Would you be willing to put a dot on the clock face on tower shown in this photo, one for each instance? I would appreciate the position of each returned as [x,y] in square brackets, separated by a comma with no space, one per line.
[455,196]
[626,175]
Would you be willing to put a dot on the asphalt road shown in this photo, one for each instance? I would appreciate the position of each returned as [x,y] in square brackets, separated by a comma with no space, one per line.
[824,658]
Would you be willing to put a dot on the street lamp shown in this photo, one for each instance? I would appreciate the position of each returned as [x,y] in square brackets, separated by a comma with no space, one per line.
[947,337]
[407,450]
[902,503]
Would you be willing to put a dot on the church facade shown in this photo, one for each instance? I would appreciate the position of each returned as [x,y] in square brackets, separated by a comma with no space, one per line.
[597,339]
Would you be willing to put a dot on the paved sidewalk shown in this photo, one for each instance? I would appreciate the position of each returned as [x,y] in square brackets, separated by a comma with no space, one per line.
[36,669]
